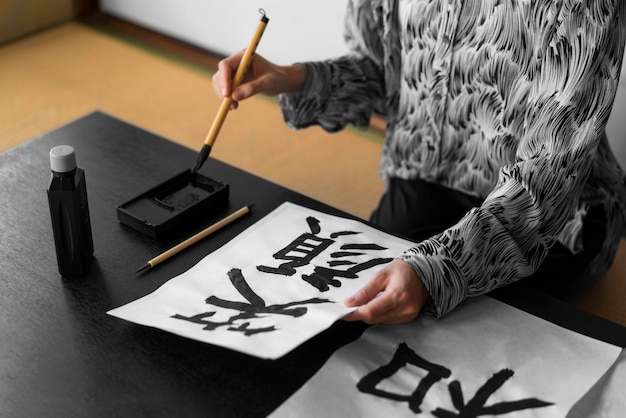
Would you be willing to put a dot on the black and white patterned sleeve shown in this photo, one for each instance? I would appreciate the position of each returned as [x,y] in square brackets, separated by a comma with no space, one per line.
[574,71]
[344,90]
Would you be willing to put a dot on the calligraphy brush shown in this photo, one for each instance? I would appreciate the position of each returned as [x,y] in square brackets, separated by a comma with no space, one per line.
[197,237]
[227,101]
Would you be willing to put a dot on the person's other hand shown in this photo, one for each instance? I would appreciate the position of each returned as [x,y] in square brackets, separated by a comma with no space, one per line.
[395,295]
[262,77]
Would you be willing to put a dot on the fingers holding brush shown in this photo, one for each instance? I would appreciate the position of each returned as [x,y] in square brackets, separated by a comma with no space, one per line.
[223,79]
[258,78]
[262,77]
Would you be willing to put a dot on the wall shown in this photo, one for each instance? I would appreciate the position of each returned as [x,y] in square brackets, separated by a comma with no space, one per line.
[21,17]
[297,31]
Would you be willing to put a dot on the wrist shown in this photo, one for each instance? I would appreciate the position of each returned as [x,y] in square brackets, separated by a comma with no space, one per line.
[296,78]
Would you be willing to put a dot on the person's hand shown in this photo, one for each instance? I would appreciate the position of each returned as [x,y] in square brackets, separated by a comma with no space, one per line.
[395,295]
[262,77]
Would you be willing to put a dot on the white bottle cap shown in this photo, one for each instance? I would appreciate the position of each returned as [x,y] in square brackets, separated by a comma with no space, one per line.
[62,159]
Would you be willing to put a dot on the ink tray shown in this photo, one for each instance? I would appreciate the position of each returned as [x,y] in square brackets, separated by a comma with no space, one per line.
[178,203]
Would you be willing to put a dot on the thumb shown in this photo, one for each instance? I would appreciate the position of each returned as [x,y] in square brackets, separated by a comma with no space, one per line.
[249,89]
[367,292]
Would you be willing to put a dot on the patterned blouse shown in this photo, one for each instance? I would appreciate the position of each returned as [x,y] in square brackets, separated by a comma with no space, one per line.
[506,100]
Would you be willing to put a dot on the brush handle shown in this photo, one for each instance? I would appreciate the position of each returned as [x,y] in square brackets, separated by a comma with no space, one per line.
[200,235]
[237,80]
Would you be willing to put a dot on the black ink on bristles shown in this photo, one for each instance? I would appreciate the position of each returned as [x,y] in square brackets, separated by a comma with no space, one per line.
[144,267]
[202,156]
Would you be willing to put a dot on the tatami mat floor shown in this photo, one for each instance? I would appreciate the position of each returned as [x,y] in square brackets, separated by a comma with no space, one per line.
[54,77]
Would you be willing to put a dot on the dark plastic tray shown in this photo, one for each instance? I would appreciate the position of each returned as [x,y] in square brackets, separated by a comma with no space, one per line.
[176,204]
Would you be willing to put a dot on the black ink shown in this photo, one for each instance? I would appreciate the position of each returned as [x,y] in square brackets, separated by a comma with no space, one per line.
[476,406]
[323,277]
[255,308]
[314,225]
[239,282]
[299,253]
[247,331]
[473,409]
[343,233]
[180,199]
[403,356]
[340,254]
[335,263]
[362,247]
[69,213]
[307,246]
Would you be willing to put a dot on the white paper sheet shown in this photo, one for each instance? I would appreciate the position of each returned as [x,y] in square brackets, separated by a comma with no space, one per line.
[607,399]
[289,271]
[519,361]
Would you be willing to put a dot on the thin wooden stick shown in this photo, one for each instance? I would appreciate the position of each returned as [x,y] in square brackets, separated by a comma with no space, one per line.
[197,237]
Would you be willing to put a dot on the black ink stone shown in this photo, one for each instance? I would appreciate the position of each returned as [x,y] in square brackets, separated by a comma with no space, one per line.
[177,203]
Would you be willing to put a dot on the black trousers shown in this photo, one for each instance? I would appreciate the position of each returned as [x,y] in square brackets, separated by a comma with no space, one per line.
[418,210]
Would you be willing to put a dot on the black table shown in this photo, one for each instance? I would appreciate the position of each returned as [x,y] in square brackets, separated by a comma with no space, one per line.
[61,355]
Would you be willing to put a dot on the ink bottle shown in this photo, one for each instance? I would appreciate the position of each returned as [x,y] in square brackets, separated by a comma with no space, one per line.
[69,210]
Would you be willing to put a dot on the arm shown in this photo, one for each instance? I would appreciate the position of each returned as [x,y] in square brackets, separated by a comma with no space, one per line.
[332,93]
[508,237]
[347,89]
[262,77]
